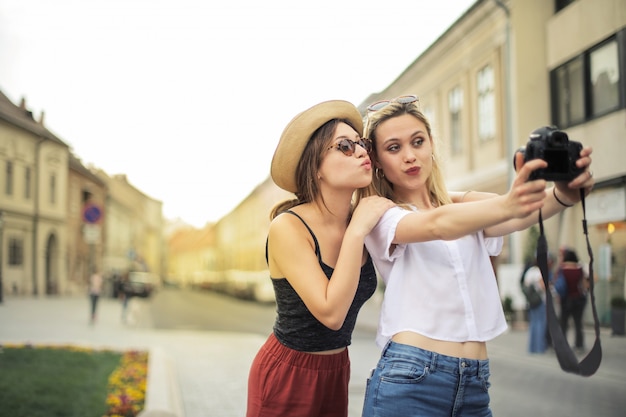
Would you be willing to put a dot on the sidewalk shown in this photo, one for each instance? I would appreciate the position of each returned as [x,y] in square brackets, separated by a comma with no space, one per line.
[190,373]
[200,374]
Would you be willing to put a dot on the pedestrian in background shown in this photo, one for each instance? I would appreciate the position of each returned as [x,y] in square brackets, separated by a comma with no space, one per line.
[124,293]
[554,292]
[575,299]
[317,261]
[441,302]
[95,289]
[537,318]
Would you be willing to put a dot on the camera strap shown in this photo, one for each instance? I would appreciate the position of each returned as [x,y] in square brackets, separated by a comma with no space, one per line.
[566,357]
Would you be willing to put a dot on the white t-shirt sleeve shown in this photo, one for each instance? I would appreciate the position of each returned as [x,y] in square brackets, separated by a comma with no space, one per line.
[381,237]
[493,245]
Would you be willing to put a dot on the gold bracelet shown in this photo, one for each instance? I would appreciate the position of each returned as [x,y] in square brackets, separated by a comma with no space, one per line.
[465,194]
[559,201]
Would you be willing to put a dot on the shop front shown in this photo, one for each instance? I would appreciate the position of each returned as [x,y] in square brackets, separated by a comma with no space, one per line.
[606,220]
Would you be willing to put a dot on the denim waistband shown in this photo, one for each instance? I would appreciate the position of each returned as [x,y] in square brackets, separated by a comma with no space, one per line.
[436,361]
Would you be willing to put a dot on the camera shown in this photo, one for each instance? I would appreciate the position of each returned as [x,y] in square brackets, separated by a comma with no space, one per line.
[553,146]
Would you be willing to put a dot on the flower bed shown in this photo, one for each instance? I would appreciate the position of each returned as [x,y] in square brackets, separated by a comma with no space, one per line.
[72,376]
[127,385]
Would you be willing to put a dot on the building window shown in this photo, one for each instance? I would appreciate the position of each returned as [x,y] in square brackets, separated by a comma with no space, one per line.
[16,252]
[8,186]
[590,85]
[561,4]
[569,81]
[27,183]
[605,77]
[486,104]
[53,189]
[455,105]
[430,116]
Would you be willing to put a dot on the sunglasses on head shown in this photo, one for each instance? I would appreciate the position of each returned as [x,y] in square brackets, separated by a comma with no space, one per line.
[348,146]
[412,98]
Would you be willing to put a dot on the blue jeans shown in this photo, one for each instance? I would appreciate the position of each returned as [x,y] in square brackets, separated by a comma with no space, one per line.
[537,342]
[412,382]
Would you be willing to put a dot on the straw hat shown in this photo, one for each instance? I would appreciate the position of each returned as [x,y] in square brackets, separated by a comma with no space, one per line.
[299,131]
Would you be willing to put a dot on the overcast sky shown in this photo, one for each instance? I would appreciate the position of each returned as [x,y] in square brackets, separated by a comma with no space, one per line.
[189,97]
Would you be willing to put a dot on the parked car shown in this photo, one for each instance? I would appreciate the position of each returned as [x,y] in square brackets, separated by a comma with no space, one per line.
[142,284]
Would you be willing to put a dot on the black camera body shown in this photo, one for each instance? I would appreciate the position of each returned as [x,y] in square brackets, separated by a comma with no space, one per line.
[553,146]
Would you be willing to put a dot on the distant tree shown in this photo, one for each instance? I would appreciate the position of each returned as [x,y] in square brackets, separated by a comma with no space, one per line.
[530,247]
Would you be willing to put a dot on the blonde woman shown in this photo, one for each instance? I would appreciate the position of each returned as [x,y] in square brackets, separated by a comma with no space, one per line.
[441,302]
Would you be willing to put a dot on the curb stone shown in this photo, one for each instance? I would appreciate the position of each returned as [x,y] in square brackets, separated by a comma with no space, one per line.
[162,391]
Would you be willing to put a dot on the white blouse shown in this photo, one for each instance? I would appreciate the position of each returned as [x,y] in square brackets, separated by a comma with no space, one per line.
[445,290]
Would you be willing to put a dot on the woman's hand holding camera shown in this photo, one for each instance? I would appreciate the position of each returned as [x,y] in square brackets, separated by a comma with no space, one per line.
[569,192]
[527,196]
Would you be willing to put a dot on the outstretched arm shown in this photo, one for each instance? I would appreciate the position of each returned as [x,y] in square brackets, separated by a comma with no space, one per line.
[469,196]
[456,220]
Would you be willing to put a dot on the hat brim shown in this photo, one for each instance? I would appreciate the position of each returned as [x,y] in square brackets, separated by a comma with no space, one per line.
[298,133]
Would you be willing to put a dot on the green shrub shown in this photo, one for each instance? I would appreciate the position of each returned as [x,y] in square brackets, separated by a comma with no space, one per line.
[618,302]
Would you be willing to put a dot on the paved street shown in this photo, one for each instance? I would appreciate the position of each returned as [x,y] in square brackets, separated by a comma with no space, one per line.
[211,367]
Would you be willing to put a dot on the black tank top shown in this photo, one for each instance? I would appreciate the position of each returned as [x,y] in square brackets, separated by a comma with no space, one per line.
[298,329]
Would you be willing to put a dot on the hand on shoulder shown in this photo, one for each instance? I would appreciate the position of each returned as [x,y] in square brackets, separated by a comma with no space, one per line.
[368,212]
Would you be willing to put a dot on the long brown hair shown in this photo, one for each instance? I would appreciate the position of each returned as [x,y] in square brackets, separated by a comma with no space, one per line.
[307,180]
[380,185]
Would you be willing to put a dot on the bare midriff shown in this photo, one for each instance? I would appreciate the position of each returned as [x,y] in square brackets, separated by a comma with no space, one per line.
[329,352]
[468,350]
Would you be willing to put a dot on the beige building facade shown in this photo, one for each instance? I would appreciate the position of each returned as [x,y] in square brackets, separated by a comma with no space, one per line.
[86,199]
[59,220]
[240,237]
[33,186]
[133,229]
[192,256]
[229,256]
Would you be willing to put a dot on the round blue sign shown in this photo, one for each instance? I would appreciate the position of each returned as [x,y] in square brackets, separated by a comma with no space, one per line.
[92,214]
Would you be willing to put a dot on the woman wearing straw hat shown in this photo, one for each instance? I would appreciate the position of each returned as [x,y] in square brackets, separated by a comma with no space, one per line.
[320,270]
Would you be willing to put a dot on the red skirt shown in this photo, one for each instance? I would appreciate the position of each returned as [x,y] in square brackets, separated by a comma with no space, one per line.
[287,382]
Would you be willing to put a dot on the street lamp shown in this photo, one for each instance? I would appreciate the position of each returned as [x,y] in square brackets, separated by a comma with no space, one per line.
[1,250]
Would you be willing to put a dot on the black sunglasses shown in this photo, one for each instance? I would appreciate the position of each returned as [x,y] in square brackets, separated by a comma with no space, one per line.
[348,146]
[412,98]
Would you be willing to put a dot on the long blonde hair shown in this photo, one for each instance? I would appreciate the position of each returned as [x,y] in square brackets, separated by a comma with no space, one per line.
[380,185]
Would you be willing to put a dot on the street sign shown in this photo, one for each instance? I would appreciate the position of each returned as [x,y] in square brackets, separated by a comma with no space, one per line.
[92,213]
[91,233]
